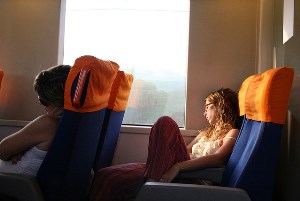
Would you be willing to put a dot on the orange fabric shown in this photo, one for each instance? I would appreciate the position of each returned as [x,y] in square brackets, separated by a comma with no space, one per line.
[120,91]
[1,76]
[242,94]
[101,76]
[265,96]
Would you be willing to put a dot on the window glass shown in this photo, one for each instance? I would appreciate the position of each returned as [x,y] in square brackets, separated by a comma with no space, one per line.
[148,38]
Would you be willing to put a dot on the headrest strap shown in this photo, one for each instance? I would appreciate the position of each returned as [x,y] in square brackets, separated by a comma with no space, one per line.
[79,87]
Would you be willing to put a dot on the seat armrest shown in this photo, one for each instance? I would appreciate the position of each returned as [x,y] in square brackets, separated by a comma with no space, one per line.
[211,174]
[20,187]
[157,191]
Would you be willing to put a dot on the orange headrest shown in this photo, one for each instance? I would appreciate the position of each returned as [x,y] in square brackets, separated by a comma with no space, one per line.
[265,96]
[120,92]
[89,83]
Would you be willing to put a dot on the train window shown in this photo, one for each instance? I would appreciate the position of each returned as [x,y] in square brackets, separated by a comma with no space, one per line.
[148,38]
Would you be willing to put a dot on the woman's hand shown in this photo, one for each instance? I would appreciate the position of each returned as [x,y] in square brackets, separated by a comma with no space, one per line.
[192,156]
[170,174]
[16,158]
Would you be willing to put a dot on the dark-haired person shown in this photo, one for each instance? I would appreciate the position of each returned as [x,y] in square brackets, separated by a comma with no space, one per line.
[23,152]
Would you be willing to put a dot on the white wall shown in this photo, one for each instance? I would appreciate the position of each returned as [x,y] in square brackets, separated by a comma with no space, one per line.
[222,50]
[29,40]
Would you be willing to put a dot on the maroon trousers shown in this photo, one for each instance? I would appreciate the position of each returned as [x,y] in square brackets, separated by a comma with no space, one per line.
[122,182]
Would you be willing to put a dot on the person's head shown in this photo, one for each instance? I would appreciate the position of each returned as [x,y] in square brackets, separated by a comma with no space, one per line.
[221,108]
[49,85]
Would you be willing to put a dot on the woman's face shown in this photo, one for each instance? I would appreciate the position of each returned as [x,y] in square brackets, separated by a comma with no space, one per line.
[210,113]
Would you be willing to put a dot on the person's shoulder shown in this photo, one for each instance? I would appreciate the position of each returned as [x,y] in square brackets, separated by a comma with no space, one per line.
[233,133]
[200,134]
[43,121]
[46,118]
[235,130]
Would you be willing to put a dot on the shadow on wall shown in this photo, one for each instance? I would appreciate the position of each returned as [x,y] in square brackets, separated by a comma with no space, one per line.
[288,164]
[18,100]
[294,138]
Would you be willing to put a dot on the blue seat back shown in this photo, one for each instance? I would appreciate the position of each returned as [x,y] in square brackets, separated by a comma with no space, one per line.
[66,169]
[113,120]
[252,164]
[109,138]
[263,101]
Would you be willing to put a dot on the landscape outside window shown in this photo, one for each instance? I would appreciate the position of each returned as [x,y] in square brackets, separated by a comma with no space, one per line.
[146,38]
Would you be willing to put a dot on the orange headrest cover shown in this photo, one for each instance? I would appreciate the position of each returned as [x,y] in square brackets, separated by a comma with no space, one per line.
[265,96]
[120,91]
[89,83]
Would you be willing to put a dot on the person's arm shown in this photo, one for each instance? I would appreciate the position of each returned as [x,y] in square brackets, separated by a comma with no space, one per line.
[39,131]
[214,160]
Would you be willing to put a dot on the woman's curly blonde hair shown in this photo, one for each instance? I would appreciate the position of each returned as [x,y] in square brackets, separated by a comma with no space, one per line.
[227,111]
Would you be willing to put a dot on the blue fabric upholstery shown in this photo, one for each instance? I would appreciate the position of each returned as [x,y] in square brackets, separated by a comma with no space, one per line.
[65,171]
[113,119]
[108,138]
[263,99]
[251,165]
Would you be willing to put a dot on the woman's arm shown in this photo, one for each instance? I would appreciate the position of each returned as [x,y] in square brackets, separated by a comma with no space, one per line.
[214,160]
[39,131]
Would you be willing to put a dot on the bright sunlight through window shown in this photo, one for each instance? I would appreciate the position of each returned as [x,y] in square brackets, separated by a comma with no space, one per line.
[148,38]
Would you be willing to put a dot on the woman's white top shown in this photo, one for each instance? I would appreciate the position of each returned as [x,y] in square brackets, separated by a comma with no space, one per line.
[29,163]
[206,147]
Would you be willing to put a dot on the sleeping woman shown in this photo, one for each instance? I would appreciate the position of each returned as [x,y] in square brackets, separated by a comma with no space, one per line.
[168,153]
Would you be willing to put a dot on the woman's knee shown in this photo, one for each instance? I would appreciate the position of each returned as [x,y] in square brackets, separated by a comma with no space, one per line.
[165,120]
